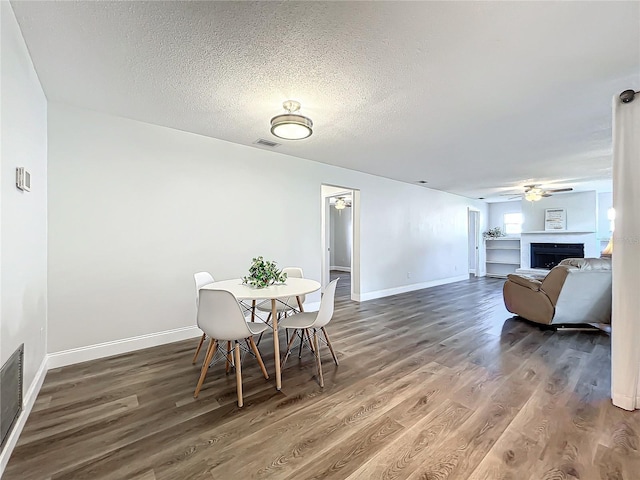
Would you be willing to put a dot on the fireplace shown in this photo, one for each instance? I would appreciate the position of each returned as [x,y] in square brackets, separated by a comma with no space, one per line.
[548,255]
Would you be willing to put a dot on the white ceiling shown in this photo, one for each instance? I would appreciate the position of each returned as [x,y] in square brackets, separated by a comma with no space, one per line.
[474,97]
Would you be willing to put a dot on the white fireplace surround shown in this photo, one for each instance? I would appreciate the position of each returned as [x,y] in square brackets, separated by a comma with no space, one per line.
[591,247]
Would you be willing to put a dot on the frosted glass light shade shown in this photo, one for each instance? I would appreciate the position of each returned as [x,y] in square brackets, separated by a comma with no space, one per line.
[291,126]
[533,196]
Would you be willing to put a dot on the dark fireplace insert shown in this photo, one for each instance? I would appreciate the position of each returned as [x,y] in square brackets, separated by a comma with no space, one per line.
[548,255]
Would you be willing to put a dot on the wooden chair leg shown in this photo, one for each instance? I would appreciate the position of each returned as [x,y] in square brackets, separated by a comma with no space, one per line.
[326,337]
[254,347]
[229,358]
[202,339]
[317,353]
[288,352]
[238,375]
[211,349]
[301,342]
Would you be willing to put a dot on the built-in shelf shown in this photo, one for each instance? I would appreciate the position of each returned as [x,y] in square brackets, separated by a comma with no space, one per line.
[555,232]
[503,256]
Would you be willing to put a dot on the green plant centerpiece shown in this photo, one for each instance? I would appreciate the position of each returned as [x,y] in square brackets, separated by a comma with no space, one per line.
[495,232]
[263,273]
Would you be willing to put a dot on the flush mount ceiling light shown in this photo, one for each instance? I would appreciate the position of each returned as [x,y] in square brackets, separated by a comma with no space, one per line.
[291,125]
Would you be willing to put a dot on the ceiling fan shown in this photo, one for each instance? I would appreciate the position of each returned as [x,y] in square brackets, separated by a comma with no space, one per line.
[534,193]
[340,203]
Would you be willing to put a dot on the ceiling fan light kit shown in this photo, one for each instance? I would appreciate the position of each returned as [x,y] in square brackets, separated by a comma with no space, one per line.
[340,203]
[533,193]
[291,125]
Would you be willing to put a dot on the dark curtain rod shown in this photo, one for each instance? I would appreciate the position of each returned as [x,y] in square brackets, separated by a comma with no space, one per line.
[627,96]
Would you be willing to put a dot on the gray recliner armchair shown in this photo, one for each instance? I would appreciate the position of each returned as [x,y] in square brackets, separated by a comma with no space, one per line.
[578,290]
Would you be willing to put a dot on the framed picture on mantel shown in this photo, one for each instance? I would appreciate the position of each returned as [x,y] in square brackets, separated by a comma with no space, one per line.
[555,219]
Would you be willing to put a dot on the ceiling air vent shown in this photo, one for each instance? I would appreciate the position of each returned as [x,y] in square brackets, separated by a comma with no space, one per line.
[266,143]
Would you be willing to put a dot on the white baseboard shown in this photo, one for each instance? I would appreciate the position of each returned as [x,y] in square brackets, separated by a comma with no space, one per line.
[407,288]
[340,269]
[116,347]
[625,402]
[28,402]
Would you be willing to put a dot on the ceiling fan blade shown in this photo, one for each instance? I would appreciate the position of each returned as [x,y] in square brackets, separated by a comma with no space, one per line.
[510,194]
[547,195]
[560,190]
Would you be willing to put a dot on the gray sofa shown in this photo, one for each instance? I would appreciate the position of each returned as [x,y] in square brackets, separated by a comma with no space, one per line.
[578,290]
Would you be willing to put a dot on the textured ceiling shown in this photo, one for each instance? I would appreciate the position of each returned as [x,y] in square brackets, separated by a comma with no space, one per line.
[474,97]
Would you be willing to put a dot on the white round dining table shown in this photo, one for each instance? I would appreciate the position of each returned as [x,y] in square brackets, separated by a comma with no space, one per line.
[293,287]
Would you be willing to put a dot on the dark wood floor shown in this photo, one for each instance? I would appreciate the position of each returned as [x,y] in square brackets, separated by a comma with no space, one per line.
[435,384]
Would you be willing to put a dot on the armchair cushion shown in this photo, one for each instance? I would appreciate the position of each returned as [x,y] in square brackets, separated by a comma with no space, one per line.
[588,263]
[525,281]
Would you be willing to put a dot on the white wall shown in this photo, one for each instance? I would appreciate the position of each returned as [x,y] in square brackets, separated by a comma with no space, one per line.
[341,238]
[498,209]
[604,233]
[23,216]
[580,208]
[23,284]
[605,202]
[135,209]
[581,223]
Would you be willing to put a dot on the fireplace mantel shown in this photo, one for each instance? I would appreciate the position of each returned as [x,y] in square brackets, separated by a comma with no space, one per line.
[555,232]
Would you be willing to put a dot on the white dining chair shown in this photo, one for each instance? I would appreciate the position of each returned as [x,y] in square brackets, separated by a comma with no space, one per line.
[221,318]
[201,279]
[302,322]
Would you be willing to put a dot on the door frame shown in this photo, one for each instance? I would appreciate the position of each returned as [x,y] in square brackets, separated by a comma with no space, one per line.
[475,213]
[327,191]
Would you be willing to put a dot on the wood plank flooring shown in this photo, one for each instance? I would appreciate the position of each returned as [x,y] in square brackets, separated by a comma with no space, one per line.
[436,384]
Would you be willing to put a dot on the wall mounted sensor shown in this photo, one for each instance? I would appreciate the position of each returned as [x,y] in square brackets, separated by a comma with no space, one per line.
[23,179]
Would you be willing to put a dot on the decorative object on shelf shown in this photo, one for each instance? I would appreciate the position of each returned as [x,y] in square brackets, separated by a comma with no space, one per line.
[555,219]
[263,273]
[291,125]
[494,232]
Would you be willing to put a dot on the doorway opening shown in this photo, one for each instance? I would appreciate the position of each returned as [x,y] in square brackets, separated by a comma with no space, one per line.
[341,238]
[474,242]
